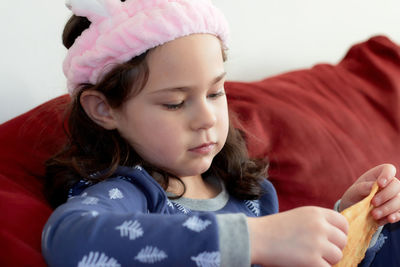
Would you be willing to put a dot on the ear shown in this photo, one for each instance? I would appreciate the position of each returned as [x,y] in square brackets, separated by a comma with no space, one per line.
[97,108]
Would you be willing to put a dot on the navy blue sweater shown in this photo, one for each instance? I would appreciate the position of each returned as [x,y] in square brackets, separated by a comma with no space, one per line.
[128,220]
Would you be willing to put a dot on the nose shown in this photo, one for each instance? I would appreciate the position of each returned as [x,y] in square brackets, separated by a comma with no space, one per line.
[204,116]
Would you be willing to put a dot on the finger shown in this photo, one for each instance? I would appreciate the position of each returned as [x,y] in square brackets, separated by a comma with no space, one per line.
[332,254]
[314,258]
[324,263]
[356,193]
[394,217]
[387,193]
[384,172]
[388,171]
[390,207]
[338,220]
[338,238]
[364,188]
[382,222]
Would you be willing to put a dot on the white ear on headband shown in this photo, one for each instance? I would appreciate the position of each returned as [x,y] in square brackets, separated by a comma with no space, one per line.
[120,31]
[94,10]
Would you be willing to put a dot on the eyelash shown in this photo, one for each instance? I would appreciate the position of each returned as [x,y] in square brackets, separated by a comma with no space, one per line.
[178,106]
[217,94]
[174,106]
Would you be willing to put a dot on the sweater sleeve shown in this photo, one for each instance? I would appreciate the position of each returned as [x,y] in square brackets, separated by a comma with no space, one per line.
[110,224]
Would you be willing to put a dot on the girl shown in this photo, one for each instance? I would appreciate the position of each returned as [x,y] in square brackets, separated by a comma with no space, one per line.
[154,173]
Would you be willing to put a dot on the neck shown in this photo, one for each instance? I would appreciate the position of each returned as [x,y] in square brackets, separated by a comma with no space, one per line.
[196,188]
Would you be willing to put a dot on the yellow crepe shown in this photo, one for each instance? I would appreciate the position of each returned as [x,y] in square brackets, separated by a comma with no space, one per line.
[361,229]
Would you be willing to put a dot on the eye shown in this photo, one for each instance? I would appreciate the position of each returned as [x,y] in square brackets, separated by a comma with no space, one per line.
[174,106]
[217,94]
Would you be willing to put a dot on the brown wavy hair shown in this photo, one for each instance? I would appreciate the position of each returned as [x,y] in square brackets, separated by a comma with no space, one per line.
[91,148]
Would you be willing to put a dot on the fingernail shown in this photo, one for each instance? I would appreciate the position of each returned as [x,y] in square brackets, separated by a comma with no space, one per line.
[384,182]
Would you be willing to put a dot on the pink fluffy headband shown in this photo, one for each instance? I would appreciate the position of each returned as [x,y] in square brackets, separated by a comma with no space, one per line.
[120,31]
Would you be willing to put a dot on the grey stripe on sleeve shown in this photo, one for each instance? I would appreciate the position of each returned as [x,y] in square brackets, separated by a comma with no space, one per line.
[234,240]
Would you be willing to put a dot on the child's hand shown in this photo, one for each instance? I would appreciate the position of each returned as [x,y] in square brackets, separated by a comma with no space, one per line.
[307,236]
[386,201]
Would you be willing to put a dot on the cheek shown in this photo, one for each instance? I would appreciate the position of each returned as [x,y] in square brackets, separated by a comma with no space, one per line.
[154,138]
[224,122]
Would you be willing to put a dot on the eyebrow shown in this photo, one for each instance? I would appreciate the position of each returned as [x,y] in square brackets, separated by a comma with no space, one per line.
[185,88]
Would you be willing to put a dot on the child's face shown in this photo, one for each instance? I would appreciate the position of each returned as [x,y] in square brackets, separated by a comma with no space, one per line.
[179,121]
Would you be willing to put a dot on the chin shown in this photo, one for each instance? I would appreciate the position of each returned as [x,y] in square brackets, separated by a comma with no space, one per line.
[203,169]
[197,170]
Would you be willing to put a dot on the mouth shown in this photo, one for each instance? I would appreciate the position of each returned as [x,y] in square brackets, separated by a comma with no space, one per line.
[204,148]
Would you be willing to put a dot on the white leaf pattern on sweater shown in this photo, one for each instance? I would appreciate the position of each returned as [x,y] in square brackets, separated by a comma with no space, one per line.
[92,175]
[138,167]
[196,224]
[207,259]
[90,201]
[115,193]
[71,197]
[93,213]
[151,255]
[254,206]
[181,208]
[169,204]
[133,229]
[95,259]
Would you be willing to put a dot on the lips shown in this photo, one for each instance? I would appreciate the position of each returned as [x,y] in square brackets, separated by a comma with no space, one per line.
[203,148]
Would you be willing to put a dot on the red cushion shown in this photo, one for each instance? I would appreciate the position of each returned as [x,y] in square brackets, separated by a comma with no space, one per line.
[320,128]
[26,142]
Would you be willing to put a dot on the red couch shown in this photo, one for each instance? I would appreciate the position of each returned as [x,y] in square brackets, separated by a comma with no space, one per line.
[320,128]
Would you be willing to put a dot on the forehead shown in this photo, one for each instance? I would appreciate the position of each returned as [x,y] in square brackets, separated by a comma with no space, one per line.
[186,60]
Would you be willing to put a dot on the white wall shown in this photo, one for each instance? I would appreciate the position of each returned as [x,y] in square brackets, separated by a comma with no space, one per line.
[31,54]
[268,37]
[282,35]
